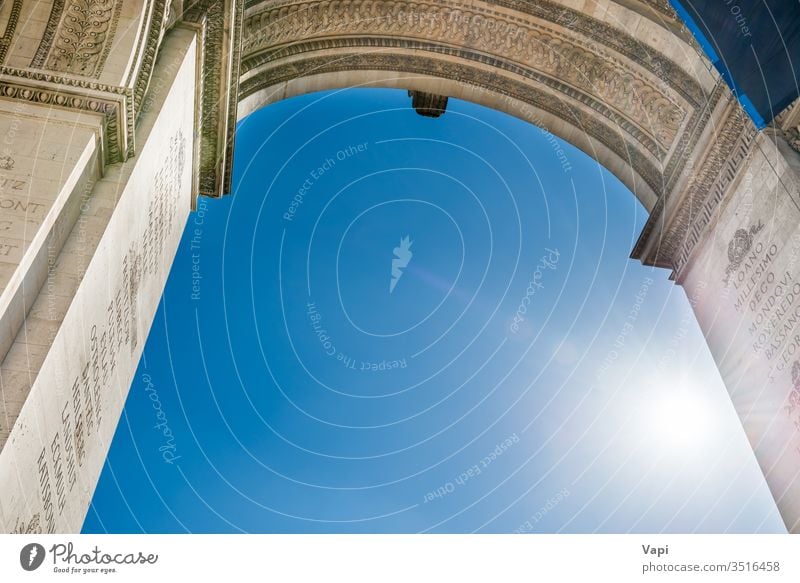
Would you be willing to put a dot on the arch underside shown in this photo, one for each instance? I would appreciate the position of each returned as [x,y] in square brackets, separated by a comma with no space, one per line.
[635,110]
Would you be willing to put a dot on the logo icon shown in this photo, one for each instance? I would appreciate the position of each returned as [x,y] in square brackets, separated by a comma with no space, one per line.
[31,556]
[402,255]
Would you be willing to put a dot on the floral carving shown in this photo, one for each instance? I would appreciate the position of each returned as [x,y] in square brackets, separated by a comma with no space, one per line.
[84,35]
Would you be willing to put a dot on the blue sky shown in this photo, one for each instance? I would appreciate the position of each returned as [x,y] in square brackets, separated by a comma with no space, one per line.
[520,375]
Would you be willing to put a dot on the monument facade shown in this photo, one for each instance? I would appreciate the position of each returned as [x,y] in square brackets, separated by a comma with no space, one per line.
[115,115]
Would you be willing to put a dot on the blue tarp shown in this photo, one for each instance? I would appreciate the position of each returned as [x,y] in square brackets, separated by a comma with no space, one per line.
[755,45]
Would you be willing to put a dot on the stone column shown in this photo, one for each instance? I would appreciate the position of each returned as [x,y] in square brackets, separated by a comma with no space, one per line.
[87,260]
[732,236]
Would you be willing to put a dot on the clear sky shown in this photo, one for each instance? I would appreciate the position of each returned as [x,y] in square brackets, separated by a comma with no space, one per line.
[403,324]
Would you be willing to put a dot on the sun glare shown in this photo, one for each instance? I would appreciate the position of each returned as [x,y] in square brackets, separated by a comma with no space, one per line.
[678,419]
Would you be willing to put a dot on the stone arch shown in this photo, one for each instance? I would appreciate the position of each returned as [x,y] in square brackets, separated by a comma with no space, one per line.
[151,107]
[623,81]
[625,84]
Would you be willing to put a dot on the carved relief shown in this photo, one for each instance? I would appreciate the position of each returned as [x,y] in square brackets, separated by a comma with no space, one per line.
[595,72]
[82,39]
[739,246]
[115,104]
[11,26]
[6,162]
[792,136]
[730,147]
[593,125]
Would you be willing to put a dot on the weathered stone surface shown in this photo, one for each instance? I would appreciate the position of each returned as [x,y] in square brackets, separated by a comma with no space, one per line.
[81,267]
[746,275]
[66,375]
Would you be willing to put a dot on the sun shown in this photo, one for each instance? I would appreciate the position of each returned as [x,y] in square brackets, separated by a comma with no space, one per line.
[678,419]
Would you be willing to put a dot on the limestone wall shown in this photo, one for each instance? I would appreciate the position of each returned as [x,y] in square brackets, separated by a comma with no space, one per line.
[68,372]
[745,274]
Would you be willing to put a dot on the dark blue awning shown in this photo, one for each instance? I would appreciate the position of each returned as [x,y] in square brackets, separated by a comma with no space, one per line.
[755,45]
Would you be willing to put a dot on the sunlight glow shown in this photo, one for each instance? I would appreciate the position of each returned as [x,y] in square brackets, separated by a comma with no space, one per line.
[679,420]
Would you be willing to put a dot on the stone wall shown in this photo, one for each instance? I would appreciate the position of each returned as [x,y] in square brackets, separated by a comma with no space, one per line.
[66,376]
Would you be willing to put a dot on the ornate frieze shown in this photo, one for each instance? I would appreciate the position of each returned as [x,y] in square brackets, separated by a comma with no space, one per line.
[526,92]
[78,36]
[678,228]
[147,49]
[792,136]
[788,123]
[586,66]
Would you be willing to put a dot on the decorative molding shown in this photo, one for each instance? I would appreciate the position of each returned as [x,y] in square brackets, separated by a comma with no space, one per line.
[631,93]
[792,136]
[487,80]
[638,90]
[789,117]
[679,229]
[78,36]
[113,104]
[373,45]
[11,26]
[218,90]
[156,26]
[56,10]
[787,123]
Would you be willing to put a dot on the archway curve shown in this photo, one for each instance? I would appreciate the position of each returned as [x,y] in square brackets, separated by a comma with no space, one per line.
[625,85]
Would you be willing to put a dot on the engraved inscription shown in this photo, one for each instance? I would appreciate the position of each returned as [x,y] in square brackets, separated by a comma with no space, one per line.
[82,411]
[44,491]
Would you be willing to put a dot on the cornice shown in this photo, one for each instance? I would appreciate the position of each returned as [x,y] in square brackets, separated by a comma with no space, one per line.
[113,104]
